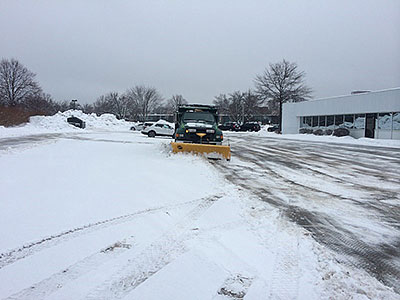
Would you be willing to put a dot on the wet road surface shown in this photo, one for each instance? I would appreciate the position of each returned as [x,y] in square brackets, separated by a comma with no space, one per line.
[346,196]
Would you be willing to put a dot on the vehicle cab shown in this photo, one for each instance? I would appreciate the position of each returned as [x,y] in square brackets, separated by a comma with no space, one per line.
[197,124]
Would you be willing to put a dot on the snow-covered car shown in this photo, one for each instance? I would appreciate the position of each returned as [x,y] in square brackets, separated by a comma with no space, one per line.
[161,129]
[138,127]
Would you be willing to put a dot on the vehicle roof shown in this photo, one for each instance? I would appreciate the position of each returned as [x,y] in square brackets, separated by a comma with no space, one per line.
[197,105]
[205,107]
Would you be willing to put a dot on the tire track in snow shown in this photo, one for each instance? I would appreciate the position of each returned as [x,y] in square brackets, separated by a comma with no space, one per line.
[285,276]
[56,281]
[26,250]
[323,169]
[153,258]
[387,212]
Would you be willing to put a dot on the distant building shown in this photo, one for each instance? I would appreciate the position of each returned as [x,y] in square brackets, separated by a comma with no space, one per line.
[372,114]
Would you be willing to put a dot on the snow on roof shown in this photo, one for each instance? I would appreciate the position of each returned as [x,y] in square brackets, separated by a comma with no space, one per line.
[356,94]
[161,121]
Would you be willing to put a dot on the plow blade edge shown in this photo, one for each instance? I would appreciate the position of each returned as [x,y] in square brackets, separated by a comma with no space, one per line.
[207,149]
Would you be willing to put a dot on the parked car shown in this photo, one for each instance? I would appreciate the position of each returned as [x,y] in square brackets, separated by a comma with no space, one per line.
[250,126]
[138,127]
[76,122]
[161,129]
[273,128]
[231,126]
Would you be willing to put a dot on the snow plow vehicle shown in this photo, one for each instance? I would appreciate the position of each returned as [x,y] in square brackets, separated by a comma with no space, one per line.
[196,131]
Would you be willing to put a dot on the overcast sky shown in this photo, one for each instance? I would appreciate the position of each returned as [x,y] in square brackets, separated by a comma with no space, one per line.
[82,49]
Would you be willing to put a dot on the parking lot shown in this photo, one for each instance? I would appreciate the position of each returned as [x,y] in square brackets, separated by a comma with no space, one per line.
[102,216]
[346,196]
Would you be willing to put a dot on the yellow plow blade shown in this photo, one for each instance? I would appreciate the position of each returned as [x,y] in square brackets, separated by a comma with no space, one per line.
[220,150]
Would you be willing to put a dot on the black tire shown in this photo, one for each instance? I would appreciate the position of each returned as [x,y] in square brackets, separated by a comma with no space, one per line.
[151,134]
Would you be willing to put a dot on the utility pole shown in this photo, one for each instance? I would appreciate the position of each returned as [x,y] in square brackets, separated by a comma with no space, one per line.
[242,112]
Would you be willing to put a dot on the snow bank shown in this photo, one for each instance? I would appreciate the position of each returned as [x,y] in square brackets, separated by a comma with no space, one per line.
[328,139]
[58,123]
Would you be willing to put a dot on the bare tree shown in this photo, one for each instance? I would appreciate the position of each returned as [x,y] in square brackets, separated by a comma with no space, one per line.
[251,105]
[16,82]
[39,103]
[103,105]
[174,102]
[144,100]
[239,106]
[222,102]
[62,106]
[236,108]
[281,83]
[123,106]
[114,103]
[87,108]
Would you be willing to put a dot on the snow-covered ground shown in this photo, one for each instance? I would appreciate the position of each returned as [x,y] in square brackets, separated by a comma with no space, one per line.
[96,214]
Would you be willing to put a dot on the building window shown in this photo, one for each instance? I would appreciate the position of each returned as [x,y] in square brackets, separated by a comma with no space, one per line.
[396,121]
[330,121]
[302,122]
[359,122]
[339,120]
[385,121]
[349,121]
[322,121]
[305,122]
[308,121]
[315,121]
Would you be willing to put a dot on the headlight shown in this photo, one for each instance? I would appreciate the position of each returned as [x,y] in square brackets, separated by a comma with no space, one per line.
[210,130]
[191,130]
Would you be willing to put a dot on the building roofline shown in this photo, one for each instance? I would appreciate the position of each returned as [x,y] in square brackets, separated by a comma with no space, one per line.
[354,95]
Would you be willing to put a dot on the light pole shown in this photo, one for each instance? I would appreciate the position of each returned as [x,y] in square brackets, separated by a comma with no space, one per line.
[73,103]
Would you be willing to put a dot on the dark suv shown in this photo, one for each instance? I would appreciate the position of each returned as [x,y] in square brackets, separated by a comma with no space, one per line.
[76,122]
[231,126]
[250,126]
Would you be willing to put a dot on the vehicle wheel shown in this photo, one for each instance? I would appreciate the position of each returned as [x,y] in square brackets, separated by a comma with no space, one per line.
[151,134]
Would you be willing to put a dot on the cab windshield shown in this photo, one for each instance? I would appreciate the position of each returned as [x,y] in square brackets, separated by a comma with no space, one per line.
[198,117]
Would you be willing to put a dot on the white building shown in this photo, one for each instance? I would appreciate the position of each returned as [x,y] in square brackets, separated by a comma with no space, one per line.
[368,114]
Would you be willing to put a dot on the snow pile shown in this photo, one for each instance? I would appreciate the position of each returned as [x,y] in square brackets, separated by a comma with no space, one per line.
[58,123]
